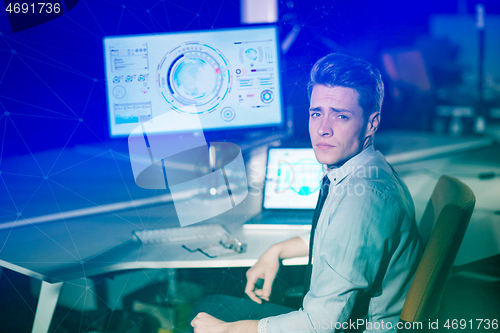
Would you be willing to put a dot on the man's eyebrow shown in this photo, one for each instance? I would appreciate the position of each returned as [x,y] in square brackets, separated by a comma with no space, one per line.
[341,110]
[333,109]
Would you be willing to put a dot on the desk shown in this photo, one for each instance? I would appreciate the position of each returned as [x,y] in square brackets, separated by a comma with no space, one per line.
[63,251]
[60,251]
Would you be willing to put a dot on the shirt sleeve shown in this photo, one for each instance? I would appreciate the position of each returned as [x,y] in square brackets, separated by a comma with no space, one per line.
[353,242]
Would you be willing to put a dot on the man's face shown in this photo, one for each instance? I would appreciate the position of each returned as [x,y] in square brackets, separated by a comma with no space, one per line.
[336,124]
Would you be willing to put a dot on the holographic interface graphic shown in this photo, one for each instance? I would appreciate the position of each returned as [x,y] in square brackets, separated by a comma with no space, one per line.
[194,74]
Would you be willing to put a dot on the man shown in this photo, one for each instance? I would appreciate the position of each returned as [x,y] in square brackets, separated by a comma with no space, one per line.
[365,244]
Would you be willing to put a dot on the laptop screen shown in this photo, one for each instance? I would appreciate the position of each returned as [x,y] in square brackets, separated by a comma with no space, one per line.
[293,179]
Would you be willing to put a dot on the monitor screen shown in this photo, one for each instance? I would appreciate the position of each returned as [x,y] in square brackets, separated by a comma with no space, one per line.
[228,78]
[293,179]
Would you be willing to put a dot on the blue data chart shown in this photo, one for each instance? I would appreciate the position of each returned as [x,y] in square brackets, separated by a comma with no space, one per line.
[302,177]
[293,179]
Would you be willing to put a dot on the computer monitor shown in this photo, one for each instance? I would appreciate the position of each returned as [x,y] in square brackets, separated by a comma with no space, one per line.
[229,78]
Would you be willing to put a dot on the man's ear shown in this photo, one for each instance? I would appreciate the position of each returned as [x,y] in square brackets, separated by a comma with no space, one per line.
[372,124]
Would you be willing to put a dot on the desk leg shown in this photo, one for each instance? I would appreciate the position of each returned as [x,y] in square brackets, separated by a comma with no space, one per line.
[49,294]
[172,282]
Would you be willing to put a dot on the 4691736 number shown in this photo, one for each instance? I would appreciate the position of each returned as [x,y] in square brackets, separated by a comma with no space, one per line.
[477,324]
[33,8]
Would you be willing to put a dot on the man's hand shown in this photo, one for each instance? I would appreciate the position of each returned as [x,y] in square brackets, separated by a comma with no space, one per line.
[266,268]
[268,265]
[205,323]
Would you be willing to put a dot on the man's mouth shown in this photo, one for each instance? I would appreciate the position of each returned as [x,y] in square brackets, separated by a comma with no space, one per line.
[324,146]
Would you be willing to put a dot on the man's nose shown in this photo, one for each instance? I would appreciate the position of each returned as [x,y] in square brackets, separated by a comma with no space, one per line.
[324,128]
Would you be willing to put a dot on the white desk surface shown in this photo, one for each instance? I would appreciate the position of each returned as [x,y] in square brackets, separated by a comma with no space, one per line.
[62,251]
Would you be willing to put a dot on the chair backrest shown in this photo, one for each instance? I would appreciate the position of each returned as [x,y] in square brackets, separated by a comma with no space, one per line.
[449,210]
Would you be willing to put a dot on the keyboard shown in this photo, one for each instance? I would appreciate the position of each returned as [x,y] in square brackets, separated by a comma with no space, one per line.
[181,234]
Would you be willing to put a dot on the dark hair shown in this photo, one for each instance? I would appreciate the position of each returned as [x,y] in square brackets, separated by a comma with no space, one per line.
[341,70]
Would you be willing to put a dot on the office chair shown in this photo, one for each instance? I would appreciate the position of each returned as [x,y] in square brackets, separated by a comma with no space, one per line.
[449,210]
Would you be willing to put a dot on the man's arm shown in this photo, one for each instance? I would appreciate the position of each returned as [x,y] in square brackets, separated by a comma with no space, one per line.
[205,323]
[266,268]
[268,264]
[292,248]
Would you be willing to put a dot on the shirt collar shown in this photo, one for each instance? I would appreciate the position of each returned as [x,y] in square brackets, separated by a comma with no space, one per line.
[339,174]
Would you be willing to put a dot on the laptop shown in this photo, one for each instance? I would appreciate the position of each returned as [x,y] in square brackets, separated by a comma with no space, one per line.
[291,189]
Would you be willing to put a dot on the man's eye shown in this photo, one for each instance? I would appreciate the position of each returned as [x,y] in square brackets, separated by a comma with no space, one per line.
[315,114]
[341,116]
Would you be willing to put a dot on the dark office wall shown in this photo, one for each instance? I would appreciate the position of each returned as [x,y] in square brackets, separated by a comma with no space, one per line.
[52,75]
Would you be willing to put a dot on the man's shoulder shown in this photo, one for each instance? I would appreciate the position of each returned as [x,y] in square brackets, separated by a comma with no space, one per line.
[378,178]
[375,173]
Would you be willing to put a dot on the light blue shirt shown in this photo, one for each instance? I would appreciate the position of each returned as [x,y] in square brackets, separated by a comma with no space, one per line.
[366,247]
